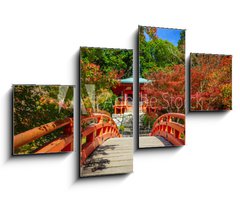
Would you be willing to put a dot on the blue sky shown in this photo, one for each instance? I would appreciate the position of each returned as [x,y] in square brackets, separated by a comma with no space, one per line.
[171,35]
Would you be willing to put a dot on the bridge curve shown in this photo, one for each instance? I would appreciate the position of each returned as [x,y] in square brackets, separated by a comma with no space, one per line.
[167,130]
[170,126]
[94,131]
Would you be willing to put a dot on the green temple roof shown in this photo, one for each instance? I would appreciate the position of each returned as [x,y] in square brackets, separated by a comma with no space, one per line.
[130,80]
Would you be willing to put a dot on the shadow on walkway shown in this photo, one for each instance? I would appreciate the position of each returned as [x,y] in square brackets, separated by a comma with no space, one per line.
[99,163]
[164,141]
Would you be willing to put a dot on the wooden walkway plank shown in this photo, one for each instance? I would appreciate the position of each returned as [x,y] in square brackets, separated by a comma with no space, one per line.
[153,141]
[114,156]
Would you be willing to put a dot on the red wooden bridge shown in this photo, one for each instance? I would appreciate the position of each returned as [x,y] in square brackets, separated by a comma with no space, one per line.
[103,149]
[167,130]
[63,143]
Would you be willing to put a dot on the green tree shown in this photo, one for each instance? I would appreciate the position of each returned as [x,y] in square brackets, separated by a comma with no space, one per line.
[109,59]
[157,54]
[181,45]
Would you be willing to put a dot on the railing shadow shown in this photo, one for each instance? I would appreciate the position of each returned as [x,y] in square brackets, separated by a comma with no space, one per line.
[164,141]
[98,164]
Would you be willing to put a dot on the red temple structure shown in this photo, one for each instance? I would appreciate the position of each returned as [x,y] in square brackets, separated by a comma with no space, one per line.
[124,91]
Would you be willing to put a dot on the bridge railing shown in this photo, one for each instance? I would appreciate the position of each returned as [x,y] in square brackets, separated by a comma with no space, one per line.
[94,131]
[171,126]
[63,143]
[120,108]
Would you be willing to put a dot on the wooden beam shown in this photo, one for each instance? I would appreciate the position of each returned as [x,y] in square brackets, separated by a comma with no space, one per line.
[57,145]
[35,133]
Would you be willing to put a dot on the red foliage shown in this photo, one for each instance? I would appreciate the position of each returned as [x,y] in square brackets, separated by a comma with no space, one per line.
[92,74]
[167,89]
[211,83]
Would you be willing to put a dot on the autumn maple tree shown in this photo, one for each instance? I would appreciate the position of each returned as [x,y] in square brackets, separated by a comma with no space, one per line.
[211,82]
[167,89]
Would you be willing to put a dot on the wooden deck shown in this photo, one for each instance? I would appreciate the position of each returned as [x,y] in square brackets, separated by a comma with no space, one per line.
[115,156]
[153,141]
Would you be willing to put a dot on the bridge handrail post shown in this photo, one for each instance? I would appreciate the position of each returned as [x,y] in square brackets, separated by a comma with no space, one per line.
[68,130]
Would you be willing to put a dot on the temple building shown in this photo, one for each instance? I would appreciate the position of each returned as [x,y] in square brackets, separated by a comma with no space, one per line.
[124,91]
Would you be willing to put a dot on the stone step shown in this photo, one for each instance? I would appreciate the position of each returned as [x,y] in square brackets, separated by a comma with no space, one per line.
[145,130]
[127,130]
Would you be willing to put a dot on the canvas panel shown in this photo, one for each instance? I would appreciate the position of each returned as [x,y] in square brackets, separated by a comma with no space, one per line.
[210,82]
[106,111]
[161,87]
[42,119]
